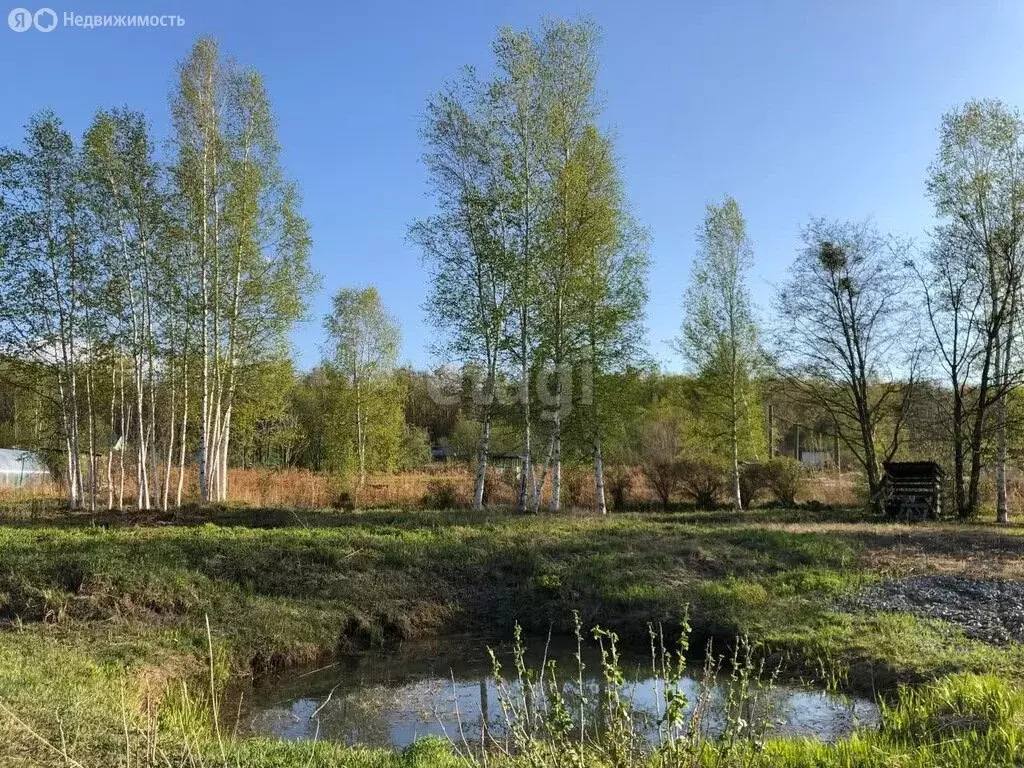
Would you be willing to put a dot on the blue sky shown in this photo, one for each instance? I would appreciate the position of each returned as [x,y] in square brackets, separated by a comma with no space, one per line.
[794,108]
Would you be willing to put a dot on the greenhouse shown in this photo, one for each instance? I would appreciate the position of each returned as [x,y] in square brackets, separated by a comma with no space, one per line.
[18,467]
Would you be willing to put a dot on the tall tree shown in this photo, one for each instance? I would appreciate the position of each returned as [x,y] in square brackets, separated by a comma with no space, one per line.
[48,276]
[249,242]
[977,185]
[603,308]
[362,345]
[574,223]
[720,335]
[128,199]
[842,339]
[518,101]
[466,244]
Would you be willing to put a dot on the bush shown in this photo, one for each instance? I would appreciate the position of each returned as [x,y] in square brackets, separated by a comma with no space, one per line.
[785,478]
[441,494]
[414,451]
[492,479]
[574,478]
[511,479]
[342,492]
[704,480]
[619,481]
[753,482]
[664,477]
[659,459]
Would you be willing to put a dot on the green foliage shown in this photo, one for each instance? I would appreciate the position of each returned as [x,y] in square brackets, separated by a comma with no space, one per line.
[265,429]
[753,481]
[466,435]
[441,494]
[703,479]
[785,478]
[414,451]
[367,401]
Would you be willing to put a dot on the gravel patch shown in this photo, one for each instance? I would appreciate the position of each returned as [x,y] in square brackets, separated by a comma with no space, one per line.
[987,609]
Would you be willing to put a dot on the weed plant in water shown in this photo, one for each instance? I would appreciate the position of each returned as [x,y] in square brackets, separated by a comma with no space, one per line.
[554,717]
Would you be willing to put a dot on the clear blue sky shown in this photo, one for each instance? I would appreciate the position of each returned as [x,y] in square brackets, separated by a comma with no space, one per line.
[794,108]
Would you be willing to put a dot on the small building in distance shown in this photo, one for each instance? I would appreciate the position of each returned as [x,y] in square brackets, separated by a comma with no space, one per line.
[442,453]
[19,467]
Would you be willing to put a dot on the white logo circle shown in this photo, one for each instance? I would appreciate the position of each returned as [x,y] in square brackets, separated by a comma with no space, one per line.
[20,19]
[45,19]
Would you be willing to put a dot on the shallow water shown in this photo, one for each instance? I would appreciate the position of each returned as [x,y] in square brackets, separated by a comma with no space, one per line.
[447,688]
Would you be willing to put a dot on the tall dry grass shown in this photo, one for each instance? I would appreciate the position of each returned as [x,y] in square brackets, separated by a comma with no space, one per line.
[306,489]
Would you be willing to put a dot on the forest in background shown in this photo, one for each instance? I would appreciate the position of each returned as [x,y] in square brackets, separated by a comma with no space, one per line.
[148,285]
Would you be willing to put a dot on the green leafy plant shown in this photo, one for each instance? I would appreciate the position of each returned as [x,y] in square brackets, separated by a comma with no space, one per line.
[785,478]
[441,494]
[704,480]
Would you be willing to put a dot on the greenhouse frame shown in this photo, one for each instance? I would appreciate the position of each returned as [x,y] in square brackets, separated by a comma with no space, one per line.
[18,468]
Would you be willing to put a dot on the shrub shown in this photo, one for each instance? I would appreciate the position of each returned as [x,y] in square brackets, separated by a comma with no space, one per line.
[574,478]
[342,492]
[414,451]
[344,500]
[618,481]
[659,459]
[785,478]
[441,494]
[704,480]
[753,481]
[492,480]
[511,478]
[664,477]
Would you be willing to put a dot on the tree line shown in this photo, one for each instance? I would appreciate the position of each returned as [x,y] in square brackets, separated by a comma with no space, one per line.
[538,268]
[140,285]
[148,286]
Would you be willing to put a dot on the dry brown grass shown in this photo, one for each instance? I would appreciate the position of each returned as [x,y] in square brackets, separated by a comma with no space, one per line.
[839,490]
[305,489]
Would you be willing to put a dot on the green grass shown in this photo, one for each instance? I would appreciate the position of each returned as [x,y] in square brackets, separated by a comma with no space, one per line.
[102,615]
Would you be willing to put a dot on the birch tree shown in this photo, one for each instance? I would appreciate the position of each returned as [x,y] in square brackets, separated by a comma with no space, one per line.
[611,302]
[127,196]
[362,346]
[47,272]
[977,185]
[572,226]
[466,244]
[247,239]
[518,102]
[719,335]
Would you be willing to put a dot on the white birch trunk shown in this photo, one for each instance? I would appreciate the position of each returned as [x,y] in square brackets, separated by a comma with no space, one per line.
[183,440]
[599,500]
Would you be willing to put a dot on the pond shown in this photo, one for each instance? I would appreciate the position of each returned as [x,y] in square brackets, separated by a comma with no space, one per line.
[447,688]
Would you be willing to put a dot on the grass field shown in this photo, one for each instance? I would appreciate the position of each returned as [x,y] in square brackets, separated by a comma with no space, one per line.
[105,616]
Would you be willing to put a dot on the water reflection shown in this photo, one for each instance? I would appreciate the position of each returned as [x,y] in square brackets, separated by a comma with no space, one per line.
[447,689]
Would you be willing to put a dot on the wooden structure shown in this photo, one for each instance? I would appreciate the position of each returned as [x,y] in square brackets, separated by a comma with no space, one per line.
[913,490]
